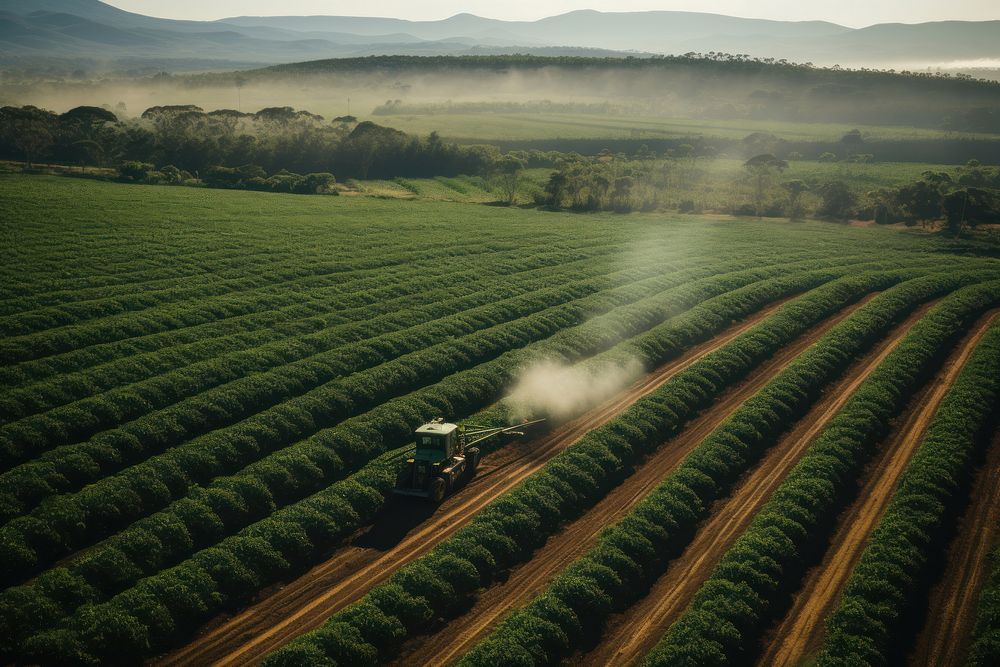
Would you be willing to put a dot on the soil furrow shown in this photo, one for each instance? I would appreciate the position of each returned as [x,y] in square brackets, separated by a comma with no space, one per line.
[800,632]
[630,635]
[529,579]
[409,530]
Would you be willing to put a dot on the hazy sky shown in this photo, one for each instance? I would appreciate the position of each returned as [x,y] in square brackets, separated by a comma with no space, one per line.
[846,12]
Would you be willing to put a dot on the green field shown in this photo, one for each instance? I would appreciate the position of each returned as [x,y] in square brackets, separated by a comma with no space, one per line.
[535,126]
[204,393]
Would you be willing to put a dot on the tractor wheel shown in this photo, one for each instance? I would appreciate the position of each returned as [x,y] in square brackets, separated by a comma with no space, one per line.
[438,490]
[472,455]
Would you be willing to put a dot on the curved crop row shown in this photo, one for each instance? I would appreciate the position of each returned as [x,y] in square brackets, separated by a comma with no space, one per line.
[297,276]
[637,550]
[729,608]
[283,315]
[985,650]
[509,529]
[354,307]
[886,580]
[62,523]
[297,364]
[118,562]
[172,316]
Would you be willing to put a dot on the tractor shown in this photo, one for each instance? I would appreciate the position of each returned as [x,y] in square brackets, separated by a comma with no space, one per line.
[446,457]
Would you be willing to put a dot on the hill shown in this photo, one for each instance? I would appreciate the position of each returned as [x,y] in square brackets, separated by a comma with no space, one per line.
[89,29]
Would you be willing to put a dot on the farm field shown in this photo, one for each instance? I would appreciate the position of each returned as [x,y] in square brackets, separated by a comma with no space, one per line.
[781,437]
[532,126]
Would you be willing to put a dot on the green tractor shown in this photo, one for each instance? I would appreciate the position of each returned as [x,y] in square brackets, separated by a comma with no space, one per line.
[446,457]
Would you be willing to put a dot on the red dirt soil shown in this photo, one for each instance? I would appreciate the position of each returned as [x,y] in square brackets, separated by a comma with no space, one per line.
[947,633]
[800,633]
[529,579]
[632,634]
[406,532]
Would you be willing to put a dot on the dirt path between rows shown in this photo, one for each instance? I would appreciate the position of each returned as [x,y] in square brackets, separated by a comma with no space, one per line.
[633,633]
[800,633]
[947,633]
[530,578]
[408,530]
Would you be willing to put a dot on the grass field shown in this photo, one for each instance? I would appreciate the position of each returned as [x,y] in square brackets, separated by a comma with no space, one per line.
[206,397]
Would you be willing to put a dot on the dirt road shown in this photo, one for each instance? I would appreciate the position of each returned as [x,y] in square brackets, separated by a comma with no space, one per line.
[528,579]
[407,531]
[800,633]
[632,634]
[944,639]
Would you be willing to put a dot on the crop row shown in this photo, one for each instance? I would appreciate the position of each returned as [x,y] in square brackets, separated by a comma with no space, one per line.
[23,611]
[283,278]
[231,272]
[729,609]
[637,550]
[888,578]
[284,315]
[172,316]
[65,522]
[509,529]
[408,298]
[985,650]
[386,333]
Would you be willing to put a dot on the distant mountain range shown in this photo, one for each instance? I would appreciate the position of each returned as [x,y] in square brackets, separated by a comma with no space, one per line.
[89,29]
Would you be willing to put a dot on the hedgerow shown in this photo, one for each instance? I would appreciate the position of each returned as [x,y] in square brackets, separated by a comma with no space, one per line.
[731,604]
[887,580]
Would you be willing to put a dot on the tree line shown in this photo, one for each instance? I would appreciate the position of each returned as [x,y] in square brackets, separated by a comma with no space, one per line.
[277,148]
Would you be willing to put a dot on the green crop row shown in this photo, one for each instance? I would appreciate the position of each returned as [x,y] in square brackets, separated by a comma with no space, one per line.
[121,560]
[64,523]
[887,580]
[211,394]
[729,608]
[312,314]
[314,305]
[268,280]
[637,550]
[167,317]
[985,650]
[509,529]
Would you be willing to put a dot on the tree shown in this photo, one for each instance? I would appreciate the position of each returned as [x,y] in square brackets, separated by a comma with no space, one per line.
[970,207]
[763,170]
[795,190]
[838,201]
[921,200]
[507,173]
[30,129]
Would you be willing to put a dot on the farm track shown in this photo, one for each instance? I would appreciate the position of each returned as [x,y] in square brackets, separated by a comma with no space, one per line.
[944,640]
[801,631]
[630,635]
[403,536]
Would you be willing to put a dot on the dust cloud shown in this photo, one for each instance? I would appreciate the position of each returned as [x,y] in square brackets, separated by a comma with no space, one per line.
[559,391]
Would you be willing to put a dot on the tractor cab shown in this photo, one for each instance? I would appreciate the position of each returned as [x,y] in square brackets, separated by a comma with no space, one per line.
[436,441]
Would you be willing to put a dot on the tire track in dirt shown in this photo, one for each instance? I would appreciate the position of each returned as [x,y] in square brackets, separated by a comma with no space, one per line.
[944,640]
[529,579]
[800,632]
[409,530]
[633,633]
